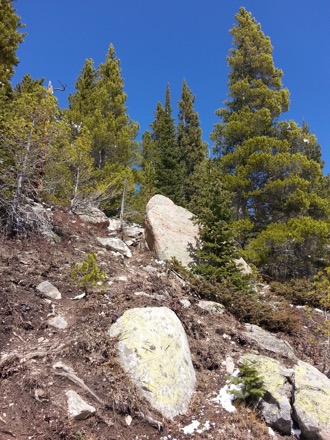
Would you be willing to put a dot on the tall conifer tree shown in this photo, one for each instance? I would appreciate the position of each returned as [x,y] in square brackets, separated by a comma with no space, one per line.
[169,158]
[272,168]
[100,104]
[191,146]
[10,38]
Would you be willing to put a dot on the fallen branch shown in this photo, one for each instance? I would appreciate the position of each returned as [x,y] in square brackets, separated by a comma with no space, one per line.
[70,374]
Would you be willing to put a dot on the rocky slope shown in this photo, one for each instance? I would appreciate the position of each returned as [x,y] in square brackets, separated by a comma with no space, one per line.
[45,361]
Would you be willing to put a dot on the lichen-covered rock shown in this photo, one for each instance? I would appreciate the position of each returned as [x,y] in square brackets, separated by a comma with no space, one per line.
[115,244]
[91,214]
[312,402]
[170,231]
[154,352]
[275,405]
[268,341]
[211,306]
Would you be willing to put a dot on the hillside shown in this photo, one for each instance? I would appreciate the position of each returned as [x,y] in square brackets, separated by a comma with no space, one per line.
[34,404]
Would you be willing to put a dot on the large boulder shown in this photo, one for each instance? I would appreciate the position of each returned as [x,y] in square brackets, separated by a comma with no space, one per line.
[275,405]
[170,231]
[312,402]
[154,352]
[267,341]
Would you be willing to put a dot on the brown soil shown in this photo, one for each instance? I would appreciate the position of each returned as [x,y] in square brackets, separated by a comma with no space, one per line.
[33,403]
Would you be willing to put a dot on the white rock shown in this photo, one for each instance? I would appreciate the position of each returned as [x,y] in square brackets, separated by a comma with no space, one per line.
[230,366]
[133,230]
[185,303]
[77,407]
[115,244]
[114,225]
[58,322]
[91,214]
[211,306]
[48,290]
[169,230]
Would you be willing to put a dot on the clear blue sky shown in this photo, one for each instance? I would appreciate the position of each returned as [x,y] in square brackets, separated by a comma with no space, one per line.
[166,41]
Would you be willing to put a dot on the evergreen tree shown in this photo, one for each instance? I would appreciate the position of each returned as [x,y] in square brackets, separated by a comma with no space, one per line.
[192,148]
[272,168]
[32,129]
[10,38]
[114,132]
[148,177]
[99,104]
[211,204]
[82,103]
[169,158]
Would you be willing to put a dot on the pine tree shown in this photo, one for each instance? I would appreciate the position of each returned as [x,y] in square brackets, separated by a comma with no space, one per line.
[148,168]
[114,132]
[211,204]
[31,131]
[99,104]
[10,38]
[169,158]
[272,168]
[192,148]
[82,103]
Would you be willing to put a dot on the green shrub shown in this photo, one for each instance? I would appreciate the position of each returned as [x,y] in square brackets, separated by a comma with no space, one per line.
[271,313]
[249,385]
[298,292]
[87,274]
[289,250]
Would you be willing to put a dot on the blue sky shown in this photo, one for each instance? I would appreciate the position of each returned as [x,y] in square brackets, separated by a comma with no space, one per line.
[166,41]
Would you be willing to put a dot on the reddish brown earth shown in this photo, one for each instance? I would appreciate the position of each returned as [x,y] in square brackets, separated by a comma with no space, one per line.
[33,404]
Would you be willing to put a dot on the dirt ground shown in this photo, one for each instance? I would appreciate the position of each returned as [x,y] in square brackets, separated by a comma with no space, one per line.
[33,404]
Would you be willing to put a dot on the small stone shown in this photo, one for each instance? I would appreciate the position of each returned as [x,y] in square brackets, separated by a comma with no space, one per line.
[77,407]
[185,303]
[128,420]
[230,366]
[50,291]
[58,322]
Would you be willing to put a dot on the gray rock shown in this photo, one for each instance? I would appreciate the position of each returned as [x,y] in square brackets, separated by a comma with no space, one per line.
[170,231]
[77,407]
[133,231]
[157,296]
[115,244]
[211,306]
[230,366]
[47,289]
[38,217]
[58,322]
[91,214]
[268,341]
[114,225]
[275,405]
[154,352]
[185,303]
[312,402]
